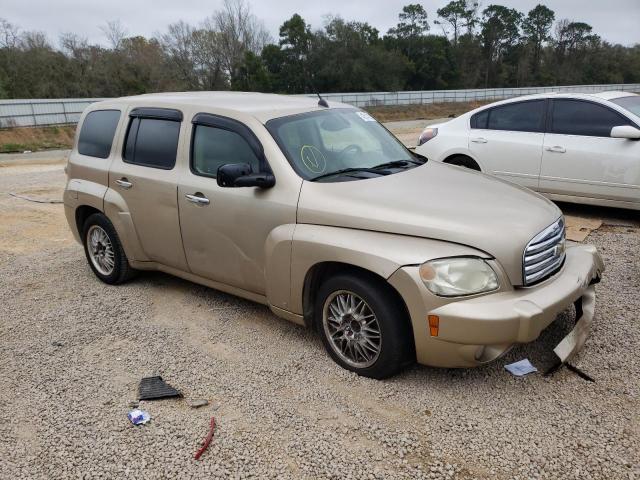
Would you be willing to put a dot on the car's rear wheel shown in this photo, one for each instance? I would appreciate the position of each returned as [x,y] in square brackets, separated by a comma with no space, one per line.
[104,251]
[363,325]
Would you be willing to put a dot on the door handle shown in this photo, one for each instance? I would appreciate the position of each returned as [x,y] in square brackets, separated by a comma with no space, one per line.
[197,198]
[556,149]
[124,183]
[479,140]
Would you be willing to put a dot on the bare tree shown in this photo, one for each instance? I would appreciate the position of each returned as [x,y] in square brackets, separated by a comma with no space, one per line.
[34,40]
[73,44]
[8,34]
[115,33]
[240,31]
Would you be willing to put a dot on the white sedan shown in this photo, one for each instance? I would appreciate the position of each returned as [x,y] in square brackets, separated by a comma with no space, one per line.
[582,148]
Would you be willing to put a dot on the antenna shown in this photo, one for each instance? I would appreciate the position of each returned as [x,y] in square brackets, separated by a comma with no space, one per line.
[321,101]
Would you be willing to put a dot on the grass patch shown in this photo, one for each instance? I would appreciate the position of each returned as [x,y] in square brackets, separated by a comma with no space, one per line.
[426,111]
[20,139]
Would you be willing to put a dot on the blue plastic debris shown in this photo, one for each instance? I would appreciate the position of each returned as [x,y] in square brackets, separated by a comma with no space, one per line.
[138,417]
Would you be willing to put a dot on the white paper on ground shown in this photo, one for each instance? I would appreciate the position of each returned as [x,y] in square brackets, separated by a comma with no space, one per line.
[138,417]
[521,368]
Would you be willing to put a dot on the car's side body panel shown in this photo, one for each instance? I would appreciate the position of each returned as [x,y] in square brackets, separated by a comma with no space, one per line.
[225,239]
[88,177]
[513,156]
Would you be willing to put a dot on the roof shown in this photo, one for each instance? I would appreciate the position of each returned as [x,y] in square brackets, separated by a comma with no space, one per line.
[263,106]
[612,95]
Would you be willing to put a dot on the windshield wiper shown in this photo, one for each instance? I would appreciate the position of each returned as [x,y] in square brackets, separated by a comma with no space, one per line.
[348,170]
[397,164]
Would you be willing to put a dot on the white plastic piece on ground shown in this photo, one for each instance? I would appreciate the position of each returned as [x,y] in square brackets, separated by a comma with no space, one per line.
[138,417]
[521,368]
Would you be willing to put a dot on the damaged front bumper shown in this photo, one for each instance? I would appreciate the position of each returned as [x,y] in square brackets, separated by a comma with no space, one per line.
[478,330]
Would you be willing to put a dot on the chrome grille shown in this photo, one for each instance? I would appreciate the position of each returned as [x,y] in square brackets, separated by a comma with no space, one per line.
[544,254]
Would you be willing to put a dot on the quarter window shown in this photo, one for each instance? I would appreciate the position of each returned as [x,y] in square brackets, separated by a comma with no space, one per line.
[479,120]
[152,142]
[213,147]
[519,117]
[574,117]
[97,132]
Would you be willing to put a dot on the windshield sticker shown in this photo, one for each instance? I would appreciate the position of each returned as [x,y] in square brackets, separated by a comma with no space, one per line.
[313,159]
[365,116]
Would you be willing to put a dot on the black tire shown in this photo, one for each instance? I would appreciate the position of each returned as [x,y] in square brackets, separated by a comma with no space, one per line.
[396,339]
[122,271]
[463,161]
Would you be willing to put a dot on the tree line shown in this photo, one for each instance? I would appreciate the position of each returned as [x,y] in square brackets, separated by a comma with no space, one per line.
[465,46]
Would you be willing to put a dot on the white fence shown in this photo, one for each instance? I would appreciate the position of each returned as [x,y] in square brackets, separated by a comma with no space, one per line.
[29,113]
[477,94]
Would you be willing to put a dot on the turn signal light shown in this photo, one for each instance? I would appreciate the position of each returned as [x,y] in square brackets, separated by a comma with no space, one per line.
[434,325]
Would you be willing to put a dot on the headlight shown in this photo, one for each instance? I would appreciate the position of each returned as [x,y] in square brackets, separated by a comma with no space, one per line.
[427,135]
[450,277]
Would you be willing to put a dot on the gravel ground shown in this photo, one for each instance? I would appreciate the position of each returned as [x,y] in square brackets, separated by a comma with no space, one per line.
[73,351]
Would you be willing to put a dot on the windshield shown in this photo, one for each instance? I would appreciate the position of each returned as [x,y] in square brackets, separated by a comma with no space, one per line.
[629,103]
[321,143]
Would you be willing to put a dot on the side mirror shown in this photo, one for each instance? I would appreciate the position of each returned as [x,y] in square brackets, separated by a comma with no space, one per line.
[241,175]
[625,131]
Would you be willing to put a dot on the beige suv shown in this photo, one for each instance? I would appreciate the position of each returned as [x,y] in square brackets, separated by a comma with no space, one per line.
[319,212]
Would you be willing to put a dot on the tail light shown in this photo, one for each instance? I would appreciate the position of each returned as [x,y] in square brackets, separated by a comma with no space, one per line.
[427,135]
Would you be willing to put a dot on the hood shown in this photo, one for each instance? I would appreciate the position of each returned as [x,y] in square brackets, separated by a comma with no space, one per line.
[436,201]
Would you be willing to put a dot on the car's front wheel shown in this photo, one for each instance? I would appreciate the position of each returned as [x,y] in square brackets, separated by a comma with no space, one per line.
[104,251]
[363,325]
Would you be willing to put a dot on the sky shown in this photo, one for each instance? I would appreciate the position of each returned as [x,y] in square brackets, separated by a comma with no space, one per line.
[617,21]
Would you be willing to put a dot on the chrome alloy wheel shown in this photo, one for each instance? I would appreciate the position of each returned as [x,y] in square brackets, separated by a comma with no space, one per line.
[100,250]
[352,329]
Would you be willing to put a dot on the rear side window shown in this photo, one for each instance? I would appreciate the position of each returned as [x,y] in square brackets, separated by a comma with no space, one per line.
[479,120]
[213,147]
[152,142]
[97,132]
[518,117]
[575,117]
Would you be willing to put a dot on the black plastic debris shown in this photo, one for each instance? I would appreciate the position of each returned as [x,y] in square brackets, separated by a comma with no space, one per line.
[154,388]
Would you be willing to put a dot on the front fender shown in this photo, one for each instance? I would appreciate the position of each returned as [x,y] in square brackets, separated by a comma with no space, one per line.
[377,252]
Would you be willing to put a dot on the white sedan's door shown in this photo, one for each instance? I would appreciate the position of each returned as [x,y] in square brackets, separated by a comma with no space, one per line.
[581,159]
[507,141]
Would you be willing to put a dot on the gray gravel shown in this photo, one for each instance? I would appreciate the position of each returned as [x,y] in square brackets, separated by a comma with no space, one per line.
[72,351]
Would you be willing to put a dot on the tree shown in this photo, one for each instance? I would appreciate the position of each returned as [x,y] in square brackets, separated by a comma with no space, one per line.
[8,34]
[536,28]
[458,14]
[239,31]
[347,56]
[295,43]
[413,22]
[177,43]
[115,33]
[574,36]
[252,75]
[500,33]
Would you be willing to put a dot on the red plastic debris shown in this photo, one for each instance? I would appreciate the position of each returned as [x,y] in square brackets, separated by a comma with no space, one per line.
[207,441]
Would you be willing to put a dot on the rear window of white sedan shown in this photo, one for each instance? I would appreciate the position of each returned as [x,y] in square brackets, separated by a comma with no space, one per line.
[517,117]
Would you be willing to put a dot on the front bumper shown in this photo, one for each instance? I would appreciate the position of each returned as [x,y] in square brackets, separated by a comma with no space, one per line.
[479,329]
